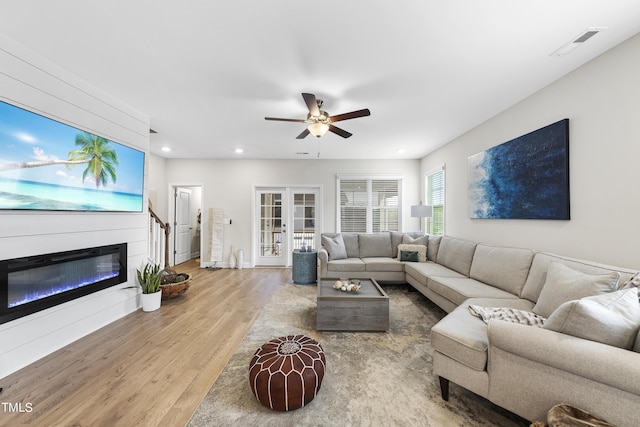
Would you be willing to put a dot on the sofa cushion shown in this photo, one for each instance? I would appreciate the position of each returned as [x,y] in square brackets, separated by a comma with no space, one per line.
[334,246]
[565,284]
[463,337]
[433,244]
[348,264]
[504,268]
[456,254]
[636,345]
[352,243]
[459,289]
[422,251]
[396,239]
[612,318]
[380,264]
[423,270]
[375,245]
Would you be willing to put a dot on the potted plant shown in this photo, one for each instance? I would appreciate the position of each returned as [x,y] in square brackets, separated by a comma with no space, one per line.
[149,279]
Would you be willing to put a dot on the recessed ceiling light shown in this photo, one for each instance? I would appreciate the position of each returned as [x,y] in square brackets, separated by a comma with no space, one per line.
[400,150]
[166,149]
[239,150]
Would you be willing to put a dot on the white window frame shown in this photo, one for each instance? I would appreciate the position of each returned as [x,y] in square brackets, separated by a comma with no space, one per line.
[438,208]
[369,208]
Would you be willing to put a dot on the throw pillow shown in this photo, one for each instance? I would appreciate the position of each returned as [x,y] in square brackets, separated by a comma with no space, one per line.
[422,251]
[409,256]
[634,282]
[422,240]
[565,284]
[335,247]
[612,318]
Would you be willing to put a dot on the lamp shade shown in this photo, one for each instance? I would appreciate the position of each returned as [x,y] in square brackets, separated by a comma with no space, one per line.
[422,211]
[318,129]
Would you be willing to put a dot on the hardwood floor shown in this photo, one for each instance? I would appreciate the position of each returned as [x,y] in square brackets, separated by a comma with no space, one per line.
[146,369]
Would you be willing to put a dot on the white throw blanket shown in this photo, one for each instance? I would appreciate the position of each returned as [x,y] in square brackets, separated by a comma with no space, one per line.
[508,314]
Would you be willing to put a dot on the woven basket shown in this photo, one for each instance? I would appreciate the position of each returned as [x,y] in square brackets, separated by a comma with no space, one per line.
[171,290]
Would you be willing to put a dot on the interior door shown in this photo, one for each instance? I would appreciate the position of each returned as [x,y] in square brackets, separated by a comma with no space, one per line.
[182,226]
[272,242]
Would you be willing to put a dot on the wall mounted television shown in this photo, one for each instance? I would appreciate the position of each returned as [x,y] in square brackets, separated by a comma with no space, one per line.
[48,165]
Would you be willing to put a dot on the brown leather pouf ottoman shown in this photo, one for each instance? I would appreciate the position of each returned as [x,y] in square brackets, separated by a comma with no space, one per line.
[286,373]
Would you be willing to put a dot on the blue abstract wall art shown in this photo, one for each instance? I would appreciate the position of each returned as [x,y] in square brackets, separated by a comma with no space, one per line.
[525,178]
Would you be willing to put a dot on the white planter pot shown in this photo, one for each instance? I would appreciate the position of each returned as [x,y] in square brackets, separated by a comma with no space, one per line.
[240,260]
[151,302]
[232,259]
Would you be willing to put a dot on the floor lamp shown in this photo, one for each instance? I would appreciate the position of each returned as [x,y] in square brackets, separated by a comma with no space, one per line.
[421,211]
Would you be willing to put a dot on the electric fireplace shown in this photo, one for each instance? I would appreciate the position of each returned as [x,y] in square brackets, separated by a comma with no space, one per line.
[35,283]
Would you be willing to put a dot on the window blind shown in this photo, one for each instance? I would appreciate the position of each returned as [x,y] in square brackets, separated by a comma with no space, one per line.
[435,197]
[368,205]
[384,205]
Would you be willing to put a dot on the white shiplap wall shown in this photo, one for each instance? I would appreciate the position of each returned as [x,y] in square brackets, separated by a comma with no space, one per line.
[31,82]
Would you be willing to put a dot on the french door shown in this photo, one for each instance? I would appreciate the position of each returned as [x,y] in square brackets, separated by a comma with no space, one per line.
[271,226]
[286,218]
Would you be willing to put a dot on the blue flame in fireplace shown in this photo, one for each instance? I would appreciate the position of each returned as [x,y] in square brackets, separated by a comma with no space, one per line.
[58,289]
[32,284]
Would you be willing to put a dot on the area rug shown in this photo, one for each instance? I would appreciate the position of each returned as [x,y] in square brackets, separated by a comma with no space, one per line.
[371,379]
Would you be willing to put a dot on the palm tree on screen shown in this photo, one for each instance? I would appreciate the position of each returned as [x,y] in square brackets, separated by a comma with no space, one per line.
[100,157]
[95,151]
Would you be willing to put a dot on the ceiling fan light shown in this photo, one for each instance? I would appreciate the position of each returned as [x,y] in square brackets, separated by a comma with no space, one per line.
[318,129]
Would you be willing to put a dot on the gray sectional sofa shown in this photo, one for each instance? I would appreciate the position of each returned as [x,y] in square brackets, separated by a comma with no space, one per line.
[586,354]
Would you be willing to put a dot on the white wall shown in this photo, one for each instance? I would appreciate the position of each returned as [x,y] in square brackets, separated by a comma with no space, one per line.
[29,81]
[602,101]
[228,184]
[157,186]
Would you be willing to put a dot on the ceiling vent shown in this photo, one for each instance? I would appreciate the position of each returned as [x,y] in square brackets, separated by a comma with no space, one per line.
[578,40]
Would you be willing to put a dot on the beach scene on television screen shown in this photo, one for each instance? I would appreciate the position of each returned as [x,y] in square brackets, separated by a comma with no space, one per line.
[48,165]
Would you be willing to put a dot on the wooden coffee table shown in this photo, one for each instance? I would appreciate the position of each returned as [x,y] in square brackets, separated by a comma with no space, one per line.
[366,310]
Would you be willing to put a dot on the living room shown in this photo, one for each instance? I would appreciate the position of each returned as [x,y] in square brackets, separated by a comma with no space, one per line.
[599,98]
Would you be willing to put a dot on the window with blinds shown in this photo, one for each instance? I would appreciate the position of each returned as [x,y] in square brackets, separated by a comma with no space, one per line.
[434,185]
[369,205]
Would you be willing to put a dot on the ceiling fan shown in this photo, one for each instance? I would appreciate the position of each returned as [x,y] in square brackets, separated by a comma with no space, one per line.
[320,121]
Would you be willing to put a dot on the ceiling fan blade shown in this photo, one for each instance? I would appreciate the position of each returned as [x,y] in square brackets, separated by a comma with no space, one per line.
[303,134]
[351,115]
[312,103]
[343,133]
[286,120]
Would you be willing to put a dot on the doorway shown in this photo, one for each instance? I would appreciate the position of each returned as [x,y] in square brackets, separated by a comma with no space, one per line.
[185,209]
[285,219]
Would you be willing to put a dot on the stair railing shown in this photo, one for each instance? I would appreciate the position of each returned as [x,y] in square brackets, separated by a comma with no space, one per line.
[159,231]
